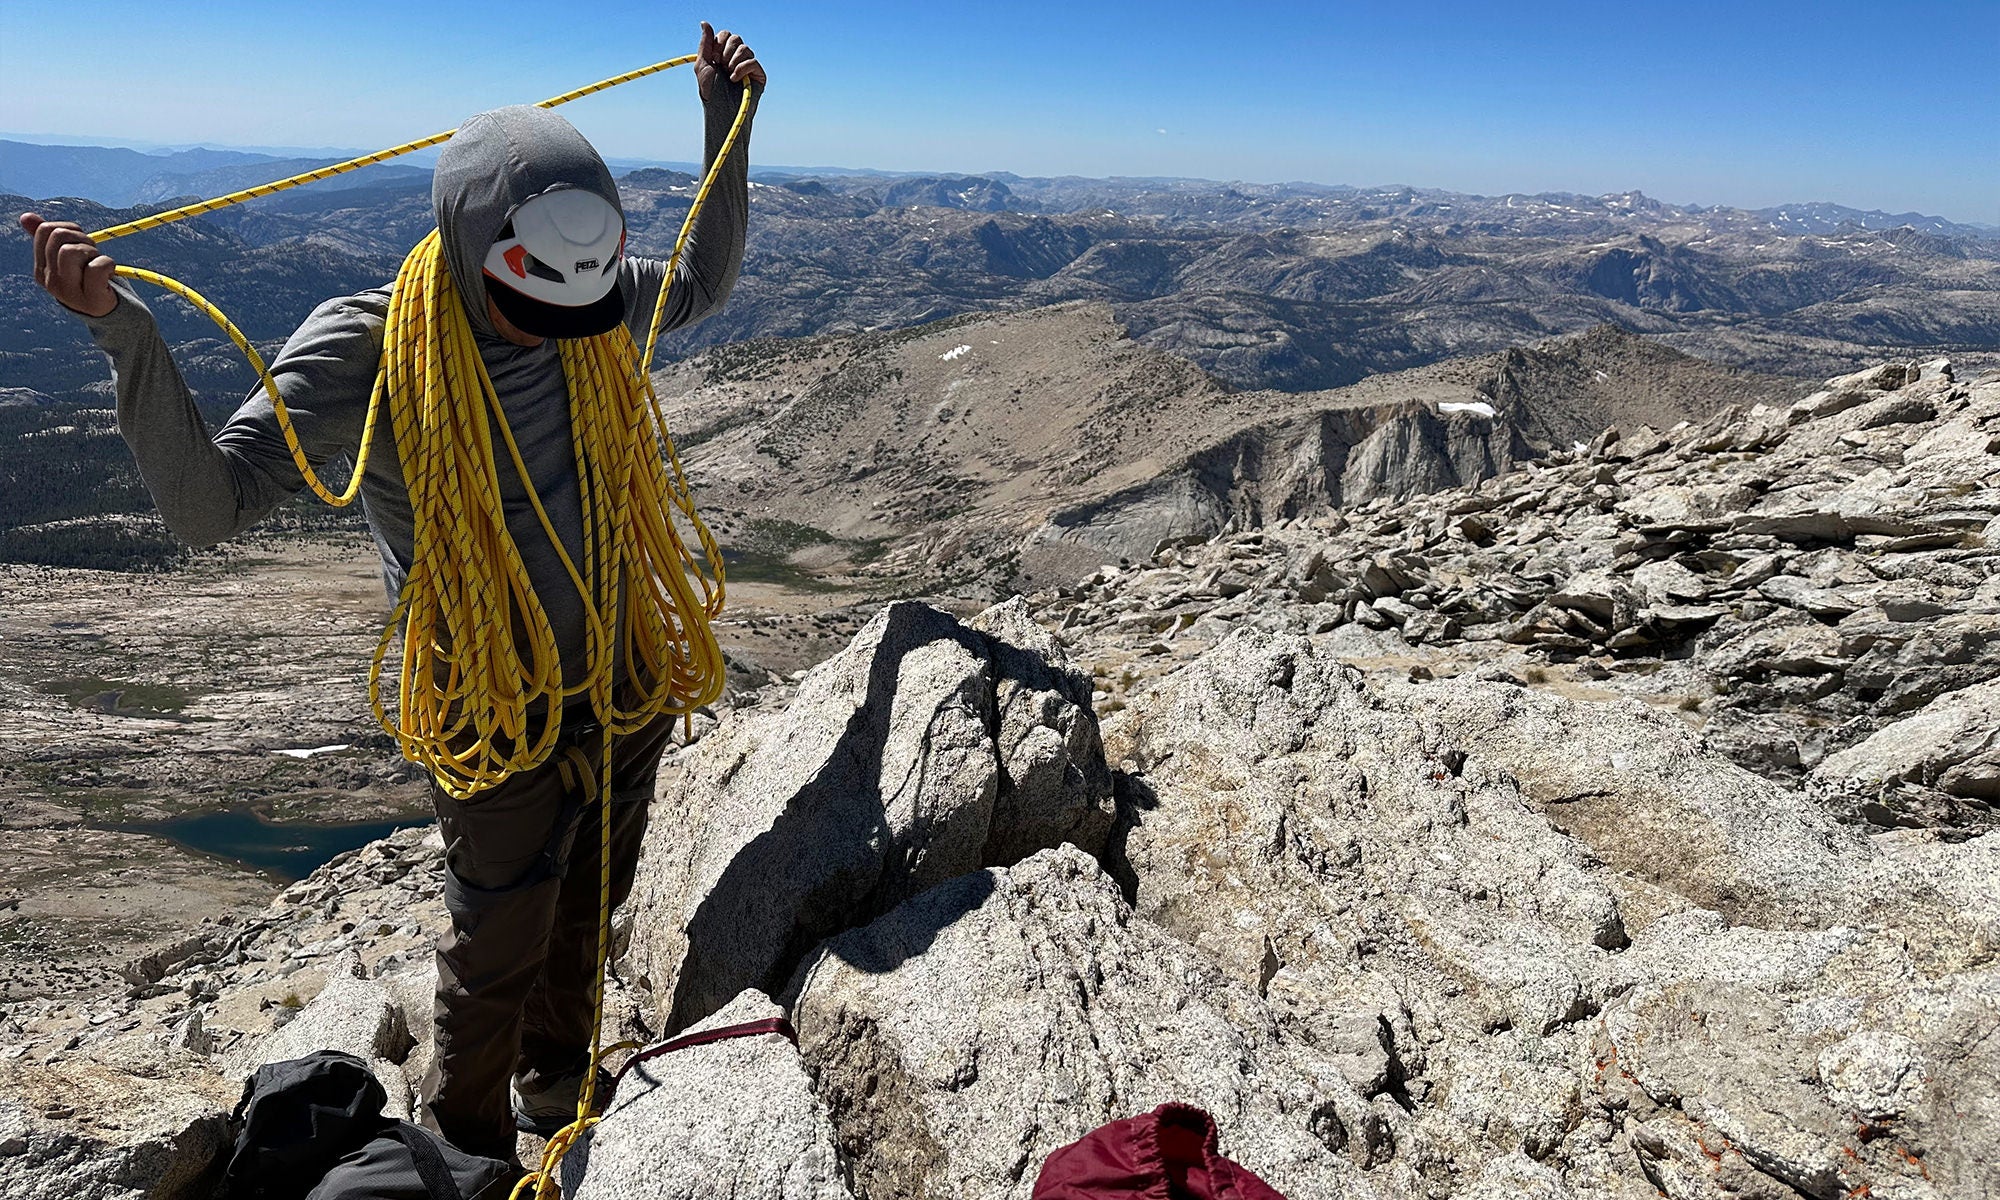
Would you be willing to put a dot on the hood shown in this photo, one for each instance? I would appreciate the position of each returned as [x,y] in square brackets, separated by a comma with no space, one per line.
[497,161]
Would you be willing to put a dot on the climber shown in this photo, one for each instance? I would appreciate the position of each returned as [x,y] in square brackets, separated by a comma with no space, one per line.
[530,223]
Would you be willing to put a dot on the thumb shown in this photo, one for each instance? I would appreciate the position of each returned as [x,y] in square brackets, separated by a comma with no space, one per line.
[97,276]
[30,222]
[709,46]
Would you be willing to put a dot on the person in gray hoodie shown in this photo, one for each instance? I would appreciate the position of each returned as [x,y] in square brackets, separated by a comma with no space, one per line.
[516,969]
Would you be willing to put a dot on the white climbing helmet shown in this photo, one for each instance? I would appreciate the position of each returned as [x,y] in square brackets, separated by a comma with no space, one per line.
[553,270]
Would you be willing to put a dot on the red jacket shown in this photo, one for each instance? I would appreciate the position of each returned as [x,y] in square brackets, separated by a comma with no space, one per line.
[1167,1154]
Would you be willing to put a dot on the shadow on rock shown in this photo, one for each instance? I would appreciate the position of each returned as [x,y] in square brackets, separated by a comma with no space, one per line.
[928,749]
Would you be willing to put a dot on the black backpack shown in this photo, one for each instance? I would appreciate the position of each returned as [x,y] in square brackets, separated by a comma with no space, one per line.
[312,1129]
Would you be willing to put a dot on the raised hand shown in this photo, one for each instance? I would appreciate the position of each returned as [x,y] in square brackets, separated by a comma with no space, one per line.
[69,266]
[725,54]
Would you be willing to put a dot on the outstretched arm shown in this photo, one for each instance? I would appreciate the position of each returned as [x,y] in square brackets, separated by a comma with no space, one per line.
[209,489]
[714,254]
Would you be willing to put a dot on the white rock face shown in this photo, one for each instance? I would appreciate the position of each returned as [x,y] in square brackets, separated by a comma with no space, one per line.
[980,1026]
[352,1014]
[1948,744]
[86,1130]
[1275,796]
[1873,1073]
[1637,788]
[1558,929]
[925,750]
[734,1118]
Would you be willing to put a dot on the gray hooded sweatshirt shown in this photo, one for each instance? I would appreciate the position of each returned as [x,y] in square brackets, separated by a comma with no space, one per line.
[211,488]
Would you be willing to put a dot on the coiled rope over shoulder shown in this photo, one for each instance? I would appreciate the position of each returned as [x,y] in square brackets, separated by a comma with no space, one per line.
[482,688]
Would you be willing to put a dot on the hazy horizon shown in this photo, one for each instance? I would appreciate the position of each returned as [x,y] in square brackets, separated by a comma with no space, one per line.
[424,158]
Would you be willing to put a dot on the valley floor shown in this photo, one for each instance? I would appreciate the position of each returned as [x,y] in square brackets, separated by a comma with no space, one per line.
[237,684]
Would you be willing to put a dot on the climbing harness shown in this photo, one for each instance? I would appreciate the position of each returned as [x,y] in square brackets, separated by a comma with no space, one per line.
[481,689]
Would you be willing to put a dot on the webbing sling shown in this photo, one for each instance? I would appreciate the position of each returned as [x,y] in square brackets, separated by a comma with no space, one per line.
[705,1037]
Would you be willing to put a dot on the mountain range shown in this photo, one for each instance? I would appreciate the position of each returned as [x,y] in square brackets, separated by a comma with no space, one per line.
[1246,309]
[119,175]
[1288,286]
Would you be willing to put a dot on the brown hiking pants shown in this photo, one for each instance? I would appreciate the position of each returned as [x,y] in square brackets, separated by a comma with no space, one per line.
[521,885]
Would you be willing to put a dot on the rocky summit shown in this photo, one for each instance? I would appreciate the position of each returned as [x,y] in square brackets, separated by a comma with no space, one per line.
[1810,588]
[1617,825]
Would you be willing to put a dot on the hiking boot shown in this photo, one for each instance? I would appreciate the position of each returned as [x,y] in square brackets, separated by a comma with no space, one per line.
[544,1112]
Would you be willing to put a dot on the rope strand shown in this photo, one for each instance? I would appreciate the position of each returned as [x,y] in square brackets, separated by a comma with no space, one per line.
[355,164]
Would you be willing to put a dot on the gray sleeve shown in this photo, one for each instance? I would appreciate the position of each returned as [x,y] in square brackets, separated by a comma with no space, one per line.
[211,488]
[714,253]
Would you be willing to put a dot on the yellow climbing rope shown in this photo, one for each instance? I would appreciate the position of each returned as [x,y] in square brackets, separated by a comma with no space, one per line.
[481,688]
[368,160]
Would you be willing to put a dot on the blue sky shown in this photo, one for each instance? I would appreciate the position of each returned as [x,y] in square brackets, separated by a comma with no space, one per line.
[1891,106]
